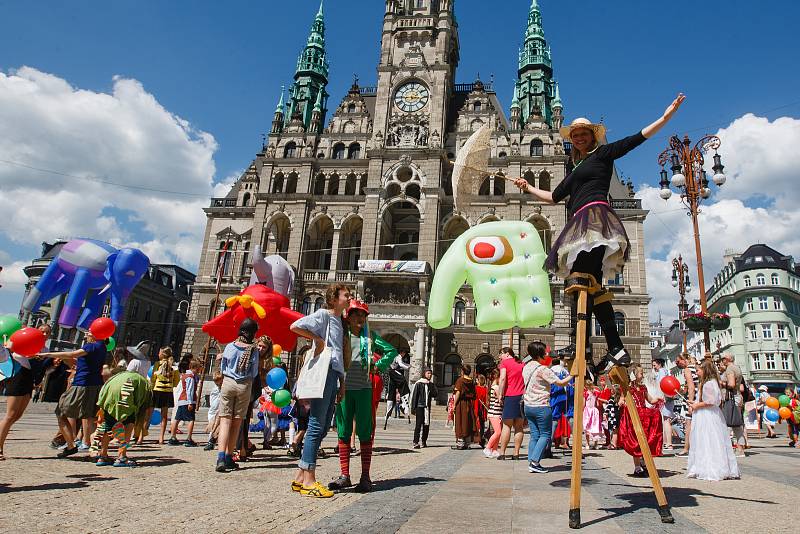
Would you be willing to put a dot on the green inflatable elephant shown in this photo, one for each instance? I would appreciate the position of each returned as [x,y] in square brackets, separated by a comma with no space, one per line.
[504,264]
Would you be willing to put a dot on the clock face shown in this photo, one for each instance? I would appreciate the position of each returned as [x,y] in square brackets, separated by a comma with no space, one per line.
[412,96]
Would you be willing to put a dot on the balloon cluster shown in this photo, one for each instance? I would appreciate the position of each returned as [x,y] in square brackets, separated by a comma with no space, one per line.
[778,408]
[276,379]
[276,354]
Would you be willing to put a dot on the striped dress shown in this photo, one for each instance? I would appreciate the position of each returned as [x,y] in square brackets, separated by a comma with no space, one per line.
[495,409]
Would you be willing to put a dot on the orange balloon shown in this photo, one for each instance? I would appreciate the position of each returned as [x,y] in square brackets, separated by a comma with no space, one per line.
[276,349]
[785,413]
[773,403]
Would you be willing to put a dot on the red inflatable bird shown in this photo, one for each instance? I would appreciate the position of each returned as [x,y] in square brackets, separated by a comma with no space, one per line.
[268,308]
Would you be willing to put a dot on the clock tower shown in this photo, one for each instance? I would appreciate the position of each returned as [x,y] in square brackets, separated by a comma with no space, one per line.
[419,55]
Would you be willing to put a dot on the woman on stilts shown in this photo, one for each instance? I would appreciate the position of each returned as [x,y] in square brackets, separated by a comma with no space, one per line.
[594,241]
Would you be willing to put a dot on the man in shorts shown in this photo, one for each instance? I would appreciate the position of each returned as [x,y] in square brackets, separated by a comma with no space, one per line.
[79,401]
[240,364]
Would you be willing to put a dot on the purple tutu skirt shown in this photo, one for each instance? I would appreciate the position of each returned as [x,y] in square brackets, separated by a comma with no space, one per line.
[595,225]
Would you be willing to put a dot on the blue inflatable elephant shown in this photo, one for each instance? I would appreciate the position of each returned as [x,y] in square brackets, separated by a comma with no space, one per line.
[84,265]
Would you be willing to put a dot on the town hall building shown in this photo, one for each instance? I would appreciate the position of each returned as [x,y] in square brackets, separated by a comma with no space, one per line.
[357,189]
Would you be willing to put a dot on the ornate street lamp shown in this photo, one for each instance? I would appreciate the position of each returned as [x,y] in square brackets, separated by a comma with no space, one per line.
[689,178]
[680,279]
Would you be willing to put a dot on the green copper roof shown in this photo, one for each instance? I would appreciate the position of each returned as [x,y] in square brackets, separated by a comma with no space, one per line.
[280,107]
[556,103]
[535,87]
[312,59]
[515,100]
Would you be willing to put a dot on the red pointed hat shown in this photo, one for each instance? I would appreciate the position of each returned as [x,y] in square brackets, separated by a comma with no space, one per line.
[356,304]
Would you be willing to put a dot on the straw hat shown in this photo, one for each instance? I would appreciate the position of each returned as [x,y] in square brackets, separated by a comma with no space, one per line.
[762,388]
[581,122]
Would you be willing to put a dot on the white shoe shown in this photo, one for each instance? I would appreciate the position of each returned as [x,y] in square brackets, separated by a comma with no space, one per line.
[487,452]
[495,453]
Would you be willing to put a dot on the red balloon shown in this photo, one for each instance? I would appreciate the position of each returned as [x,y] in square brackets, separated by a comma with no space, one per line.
[102,328]
[28,341]
[670,386]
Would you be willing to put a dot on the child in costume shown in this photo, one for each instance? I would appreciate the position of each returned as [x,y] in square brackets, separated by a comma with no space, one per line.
[650,418]
[591,416]
[124,398]
[356,405]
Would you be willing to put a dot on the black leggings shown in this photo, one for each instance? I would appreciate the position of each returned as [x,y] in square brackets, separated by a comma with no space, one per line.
[592,263]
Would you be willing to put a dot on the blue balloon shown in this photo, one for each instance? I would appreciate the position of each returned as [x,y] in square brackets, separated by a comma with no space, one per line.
[276,378]
[772,415]
[155,419]
[150,372]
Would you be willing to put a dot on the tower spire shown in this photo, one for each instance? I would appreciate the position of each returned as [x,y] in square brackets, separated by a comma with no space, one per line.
[535,74]
[281,105]
[311,75]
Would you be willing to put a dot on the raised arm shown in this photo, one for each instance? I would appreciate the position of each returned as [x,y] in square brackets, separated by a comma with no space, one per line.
[652,129]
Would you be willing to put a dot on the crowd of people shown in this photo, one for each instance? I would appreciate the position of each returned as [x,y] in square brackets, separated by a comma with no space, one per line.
[537,392]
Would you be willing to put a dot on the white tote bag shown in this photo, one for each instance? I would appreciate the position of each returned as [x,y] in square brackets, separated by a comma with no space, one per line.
[314,373]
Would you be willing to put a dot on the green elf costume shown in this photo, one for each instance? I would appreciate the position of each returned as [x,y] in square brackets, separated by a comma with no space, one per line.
[356,405]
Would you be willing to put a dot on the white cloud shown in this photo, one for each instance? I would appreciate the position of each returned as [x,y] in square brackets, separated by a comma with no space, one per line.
[12,277]
[761,159]
[126,137]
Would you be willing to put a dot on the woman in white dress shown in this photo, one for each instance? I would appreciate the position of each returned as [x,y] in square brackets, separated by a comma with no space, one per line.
[711,455]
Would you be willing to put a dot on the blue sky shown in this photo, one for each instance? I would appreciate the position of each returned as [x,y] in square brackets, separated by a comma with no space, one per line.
[220,65]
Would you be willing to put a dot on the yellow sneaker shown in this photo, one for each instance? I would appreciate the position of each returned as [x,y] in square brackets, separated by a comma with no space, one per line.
[296,485]
[317,490]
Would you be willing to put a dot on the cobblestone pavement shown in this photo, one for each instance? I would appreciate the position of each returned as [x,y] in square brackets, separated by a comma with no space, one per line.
[175,489]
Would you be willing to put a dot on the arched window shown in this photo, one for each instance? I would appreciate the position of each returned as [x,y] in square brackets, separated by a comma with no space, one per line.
[747,282]
[246,199]
[413,191]
[459,313]
[362,185]
[333,185]
[775,280]
[544,181]
[225,258]
[619,319]
[354,151]
[477,106]
[761,280]
[499,185]
[291,183]
[351,108]
[306,307]
[338,151]
[452,369]
[350,184]
[502,155]
[485,189]
[393,190]
[537,147]
[277,183]
[319,185]
[290,150]
[318,304]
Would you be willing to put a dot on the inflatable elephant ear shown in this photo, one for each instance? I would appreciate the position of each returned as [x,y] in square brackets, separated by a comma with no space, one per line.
[272,271]
[504,264]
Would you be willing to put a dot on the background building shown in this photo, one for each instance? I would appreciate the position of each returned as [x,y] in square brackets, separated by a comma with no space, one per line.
[760,290]
[156,309]
[369,179]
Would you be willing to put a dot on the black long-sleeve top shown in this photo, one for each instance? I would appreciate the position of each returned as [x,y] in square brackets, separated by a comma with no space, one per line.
[590,180]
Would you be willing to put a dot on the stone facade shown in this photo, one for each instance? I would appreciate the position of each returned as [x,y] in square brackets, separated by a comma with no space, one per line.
[375,184]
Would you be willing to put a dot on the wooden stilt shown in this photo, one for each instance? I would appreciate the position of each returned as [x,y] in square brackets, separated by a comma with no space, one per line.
[578,370]
[620,376]
[585,285]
